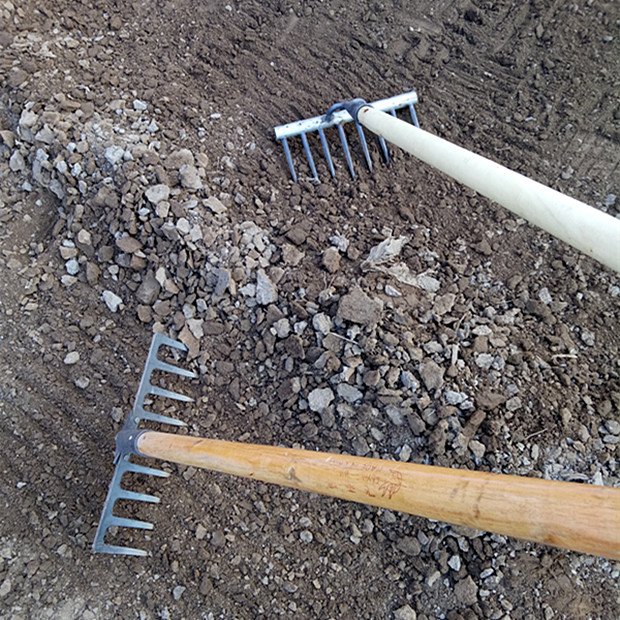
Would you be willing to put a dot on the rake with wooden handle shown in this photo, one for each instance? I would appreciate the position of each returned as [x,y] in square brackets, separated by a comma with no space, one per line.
[581,517]
[587,229]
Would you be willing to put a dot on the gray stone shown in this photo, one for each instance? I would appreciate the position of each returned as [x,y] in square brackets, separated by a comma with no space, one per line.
[215,205]
[444,303]
[454,398]
[114,154]
[322,323]
[395,415]
[72,358]
[282,328]
[72,267]
[349,393]
[408,380]
[6,587]
[405,613]
[178,159]
[265,289]
[223,281]
[17,163]
[331,260]
[613,426]
[189,177]
[57,189]
[357,307]
[409,545]
[46,135]
[432,375]
[455,563]
[466,592]
[157,193]
[405,453]
[427,283]
[320,398]
[485,361]
[112,301]
[545,296]
[140,106]
[478,449]
[177,593]
[148,290]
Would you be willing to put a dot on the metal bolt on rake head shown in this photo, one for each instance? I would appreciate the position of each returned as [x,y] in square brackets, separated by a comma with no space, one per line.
[126,439]
[337,116]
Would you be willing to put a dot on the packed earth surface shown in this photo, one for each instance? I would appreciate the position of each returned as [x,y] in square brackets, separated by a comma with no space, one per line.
[142,191]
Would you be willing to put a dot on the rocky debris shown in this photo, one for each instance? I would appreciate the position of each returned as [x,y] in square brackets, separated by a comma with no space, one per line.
[432,375]
[358,307]
[320,398]
[408,376]
[405,613]
[157,193]
[331,260]
[466,592]
[112,300]
[265,289]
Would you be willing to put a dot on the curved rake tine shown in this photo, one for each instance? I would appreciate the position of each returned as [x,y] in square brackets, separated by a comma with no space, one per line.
[174,369]
[304,140]
[289,159]
[328,157]
[158,391]
[360,131]
[414,116]
[347,153]
[384,148]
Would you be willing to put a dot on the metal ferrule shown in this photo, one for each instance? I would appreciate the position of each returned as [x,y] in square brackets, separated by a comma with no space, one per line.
[127,442]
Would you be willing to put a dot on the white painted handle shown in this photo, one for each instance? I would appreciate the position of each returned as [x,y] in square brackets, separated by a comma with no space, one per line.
[589,230]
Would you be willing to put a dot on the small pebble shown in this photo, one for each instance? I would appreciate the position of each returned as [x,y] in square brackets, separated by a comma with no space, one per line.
[72,358]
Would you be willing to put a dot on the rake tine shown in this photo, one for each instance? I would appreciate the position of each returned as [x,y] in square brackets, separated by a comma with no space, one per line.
[328,157]
[384,148]
[414,116]
[114,549]
[161,339]
[149,471]
[138,497]
[360,131]
[304,140]
[142,414]
[158,391]
[159,365]
[124,522]
[347,153]
[393,113]
[289,159]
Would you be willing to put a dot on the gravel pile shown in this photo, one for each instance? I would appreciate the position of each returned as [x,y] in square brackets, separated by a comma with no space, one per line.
[315,333]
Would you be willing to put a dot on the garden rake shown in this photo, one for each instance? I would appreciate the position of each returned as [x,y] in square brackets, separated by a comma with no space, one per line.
[587,229]
[581,517]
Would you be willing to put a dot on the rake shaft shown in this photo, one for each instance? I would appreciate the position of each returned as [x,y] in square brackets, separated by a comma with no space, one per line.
[587,229]
[580,517]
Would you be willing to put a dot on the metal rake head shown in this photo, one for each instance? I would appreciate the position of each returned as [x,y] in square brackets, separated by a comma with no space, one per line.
[122,456]
[337,117]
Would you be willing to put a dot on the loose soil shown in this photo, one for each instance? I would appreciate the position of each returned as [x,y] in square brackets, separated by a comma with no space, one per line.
[530,85]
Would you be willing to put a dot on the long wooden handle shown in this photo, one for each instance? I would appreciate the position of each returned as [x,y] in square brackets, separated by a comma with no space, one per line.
[591,231]
[580,517]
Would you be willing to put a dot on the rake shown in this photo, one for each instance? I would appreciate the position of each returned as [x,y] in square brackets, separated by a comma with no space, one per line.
[587,229]
[581,517]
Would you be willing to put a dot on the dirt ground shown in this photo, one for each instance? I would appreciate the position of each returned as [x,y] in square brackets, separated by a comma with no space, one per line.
[142,190]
